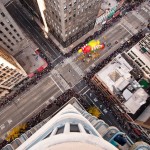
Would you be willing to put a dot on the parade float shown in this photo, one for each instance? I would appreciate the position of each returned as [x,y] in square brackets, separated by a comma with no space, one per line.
[91,50]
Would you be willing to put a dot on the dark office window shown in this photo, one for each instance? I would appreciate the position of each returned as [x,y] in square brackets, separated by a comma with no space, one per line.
[74,128]
[87,131]
[12,43]
[11,49]
[2,23]
[18,35]
[60,130]
[0,39]
[6,29]
[15,30]
[8,46]
[1,31]
[66,21]
[10,33]
[3,14]
[11,25]
[13,37]
[74,15]
[69,18]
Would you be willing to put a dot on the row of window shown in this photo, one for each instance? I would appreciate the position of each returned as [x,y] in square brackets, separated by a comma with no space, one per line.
[12,80]
[137,61]
[73,128]
[8,29]
[145,70]
[6,70]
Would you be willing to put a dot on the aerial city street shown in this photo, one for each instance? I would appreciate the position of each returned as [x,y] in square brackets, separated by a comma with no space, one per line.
[54,53]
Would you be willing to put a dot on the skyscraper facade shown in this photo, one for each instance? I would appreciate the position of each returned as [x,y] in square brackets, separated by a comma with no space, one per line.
[11,73]
[68,20]
[11,37]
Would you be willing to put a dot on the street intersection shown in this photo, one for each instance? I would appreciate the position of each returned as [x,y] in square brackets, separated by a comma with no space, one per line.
[70,72]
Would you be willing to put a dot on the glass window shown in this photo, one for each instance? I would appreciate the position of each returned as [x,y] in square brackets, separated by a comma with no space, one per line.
[2,23]
[87,131]
[3,14]
[60,130]
[11,25]
[6,29]
[74,128]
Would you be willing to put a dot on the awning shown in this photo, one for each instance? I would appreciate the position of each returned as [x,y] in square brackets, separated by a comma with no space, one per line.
[112,11]
[144,84]
[30,75]
[116,14]
[144,50]
[40,69]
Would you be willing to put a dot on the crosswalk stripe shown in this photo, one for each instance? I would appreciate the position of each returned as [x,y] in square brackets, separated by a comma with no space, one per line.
[139,16]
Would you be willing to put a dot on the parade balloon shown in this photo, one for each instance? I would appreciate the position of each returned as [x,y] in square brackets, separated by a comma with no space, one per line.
[102,46]
[94,43]
[87,49]
[80,51]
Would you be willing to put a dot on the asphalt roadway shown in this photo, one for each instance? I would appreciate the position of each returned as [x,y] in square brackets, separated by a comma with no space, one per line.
[29,104]
[67,74]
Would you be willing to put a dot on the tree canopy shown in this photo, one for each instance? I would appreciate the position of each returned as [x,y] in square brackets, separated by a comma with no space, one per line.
[94,111]
[15,132]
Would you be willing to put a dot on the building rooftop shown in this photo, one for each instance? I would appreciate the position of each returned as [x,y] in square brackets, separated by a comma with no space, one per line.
[140,55]
[139,52]
[145,43]
[135,100]
[29,60]
[116,74]
[118,79]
